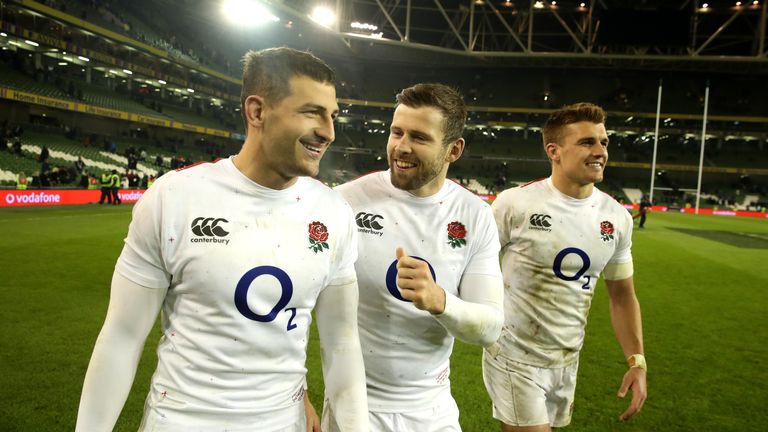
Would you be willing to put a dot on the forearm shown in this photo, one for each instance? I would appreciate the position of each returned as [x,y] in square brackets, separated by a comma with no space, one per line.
[343,369]
[473,323]
[107,384]
[626,320]
[477,315]
[131,315]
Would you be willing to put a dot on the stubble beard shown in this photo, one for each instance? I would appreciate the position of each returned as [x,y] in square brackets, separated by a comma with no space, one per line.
[425,173]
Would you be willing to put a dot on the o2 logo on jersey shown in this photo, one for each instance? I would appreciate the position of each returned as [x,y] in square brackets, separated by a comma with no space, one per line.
[244,284]
[392,278]
[585,263]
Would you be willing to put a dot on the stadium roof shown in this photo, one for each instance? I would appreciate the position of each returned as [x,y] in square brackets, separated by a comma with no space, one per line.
[665,34]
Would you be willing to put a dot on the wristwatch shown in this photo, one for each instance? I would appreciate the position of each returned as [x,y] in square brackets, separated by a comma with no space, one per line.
[637,361]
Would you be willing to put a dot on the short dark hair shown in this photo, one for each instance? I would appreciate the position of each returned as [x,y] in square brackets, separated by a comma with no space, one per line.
[268,72]
[446,99]
[552,132]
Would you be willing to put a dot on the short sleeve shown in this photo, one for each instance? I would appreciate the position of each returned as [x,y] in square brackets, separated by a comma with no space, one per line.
[623,251]
[343,271]
[485,254]
[502,213]
[141,260]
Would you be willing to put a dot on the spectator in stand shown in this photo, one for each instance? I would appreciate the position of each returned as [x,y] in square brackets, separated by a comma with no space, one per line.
[79,165]
[44,154]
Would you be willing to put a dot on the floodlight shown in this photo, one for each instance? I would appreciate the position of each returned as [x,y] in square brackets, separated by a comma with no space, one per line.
[29,42]
[323,15]
[247,12]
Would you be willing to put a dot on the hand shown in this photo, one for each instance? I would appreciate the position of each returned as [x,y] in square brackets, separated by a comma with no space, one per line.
[633,380]
[417,285]
[313,421]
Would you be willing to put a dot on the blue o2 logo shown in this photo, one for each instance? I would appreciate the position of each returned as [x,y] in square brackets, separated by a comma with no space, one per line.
[585,263]
[244,284]
[392,278]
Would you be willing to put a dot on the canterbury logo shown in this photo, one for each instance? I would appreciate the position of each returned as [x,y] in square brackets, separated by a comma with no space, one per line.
[209,227]
[540,220]
[369,220]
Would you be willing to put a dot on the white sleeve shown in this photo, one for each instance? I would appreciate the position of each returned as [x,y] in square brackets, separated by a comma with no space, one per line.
[477,316]
[484,257]
[343,370]
[623,253]
[142,257]
[131,315]
[502,213]
[344,265]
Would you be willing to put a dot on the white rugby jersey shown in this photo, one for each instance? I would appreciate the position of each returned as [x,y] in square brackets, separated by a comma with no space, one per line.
[244,265]
[554,248]
[406,350]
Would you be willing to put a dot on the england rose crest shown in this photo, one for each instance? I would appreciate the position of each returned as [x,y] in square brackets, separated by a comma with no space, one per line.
[456,234]
[318,235]
[606,231]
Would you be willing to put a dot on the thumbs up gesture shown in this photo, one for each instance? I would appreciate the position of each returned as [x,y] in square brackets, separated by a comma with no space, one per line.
[417,285]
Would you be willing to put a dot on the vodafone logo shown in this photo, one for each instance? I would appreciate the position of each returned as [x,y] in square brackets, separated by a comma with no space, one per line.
[32,198]
[130,196]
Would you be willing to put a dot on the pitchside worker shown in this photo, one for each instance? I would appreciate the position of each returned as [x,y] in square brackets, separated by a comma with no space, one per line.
[238,253]
[557,235]
[428,267]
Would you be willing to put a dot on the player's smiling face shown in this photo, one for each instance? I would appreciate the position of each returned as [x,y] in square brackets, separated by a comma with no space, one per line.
[582,154]
[299,128]
[418,159]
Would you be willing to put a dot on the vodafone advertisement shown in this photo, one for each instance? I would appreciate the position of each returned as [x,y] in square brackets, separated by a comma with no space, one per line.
[21,198]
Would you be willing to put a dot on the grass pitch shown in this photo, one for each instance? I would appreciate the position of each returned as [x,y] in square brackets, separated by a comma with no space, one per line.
[701,281]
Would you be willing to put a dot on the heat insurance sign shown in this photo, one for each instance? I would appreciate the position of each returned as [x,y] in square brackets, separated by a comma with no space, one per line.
[22,198]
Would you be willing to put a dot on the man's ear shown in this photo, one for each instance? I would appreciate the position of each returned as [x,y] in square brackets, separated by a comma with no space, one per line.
[254,110]
[455,150]
[553,151]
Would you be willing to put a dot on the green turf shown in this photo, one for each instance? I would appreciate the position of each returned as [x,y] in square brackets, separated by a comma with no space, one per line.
[703,299]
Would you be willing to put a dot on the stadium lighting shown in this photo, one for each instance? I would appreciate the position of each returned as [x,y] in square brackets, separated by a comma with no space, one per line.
[705,5]
[324,16]
[63,63]
[85,59]
[162,82]
[29,42]
[539,5]
[363,26]
[738,3]
[247,12]
[191,90]
[3,34]
[127,71]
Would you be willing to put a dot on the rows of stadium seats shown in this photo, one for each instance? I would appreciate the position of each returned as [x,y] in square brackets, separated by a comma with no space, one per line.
[18,81]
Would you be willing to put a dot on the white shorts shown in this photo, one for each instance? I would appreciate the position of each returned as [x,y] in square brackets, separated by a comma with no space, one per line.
[525,395]
[291,419]
[442,416]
